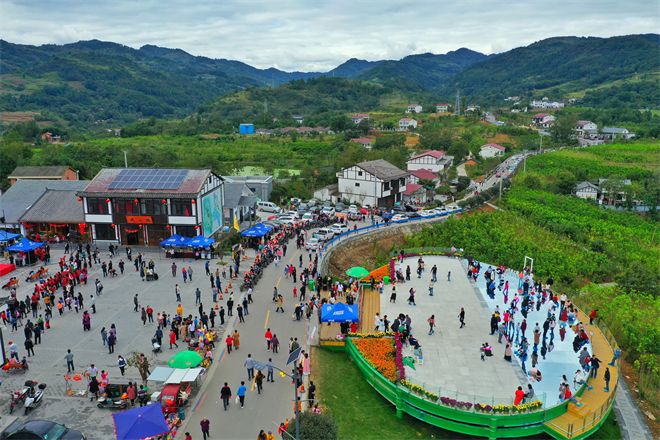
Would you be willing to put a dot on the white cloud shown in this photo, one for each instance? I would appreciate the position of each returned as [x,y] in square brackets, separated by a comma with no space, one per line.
[317,36]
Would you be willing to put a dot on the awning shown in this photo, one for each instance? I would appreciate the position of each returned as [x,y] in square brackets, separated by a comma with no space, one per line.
[25,245]
[200,241]
[339,312]
[7,236]
[257,231]
[175,240]
[175,375]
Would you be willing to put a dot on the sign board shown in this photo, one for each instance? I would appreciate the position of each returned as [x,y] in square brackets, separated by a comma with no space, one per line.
[139,219]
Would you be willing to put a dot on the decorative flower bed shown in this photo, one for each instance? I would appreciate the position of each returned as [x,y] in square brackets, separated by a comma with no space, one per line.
[378,335]
[401,369]
[380,354]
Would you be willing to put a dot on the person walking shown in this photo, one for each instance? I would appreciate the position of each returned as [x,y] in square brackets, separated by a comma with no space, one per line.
[177,291]
[259,380]
[225,395]
[205,424]
[269,365]
[461,317]
[198,296]
[249,365]
[431,322]
[190,273]
[111,342]
[69,360]
[595,364]
[411,298]
[29,346]
[607,379]
[269,338]
[173,339]
[230,342]
[241,394]
[121,363]
[237,340]
[239,311]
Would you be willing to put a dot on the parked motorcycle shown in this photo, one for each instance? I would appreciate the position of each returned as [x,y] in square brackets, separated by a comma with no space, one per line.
[34,398]
[111,402]
[19,396]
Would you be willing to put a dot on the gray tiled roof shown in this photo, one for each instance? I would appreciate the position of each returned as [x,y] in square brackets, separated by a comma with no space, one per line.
[383,169]
[22,194]
[36,172]
[56,206]
[238,194]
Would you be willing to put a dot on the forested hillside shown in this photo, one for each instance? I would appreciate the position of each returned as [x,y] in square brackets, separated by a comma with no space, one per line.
[560,65]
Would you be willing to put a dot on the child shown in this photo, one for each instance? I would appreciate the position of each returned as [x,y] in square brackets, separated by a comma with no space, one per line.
[449,276]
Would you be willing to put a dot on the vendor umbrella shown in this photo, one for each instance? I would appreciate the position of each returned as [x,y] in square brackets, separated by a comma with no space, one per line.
[139,423]
[357,272]
[185,359]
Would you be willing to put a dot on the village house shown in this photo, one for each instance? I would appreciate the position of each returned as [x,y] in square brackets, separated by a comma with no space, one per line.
[414,108]
[491,150]
[543,120]
[62,172]
[406,123]
[422,174]
[414,193]
[472,107]
[431,160]
[374,183]
[585,126]
[50,137]
[359,117]
[442,108]
[366,143]
[586,190]
[616,132]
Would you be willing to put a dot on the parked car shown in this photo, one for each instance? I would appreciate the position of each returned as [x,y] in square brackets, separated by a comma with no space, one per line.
[315,209]
[314,244]
[324,234]
[398,208]
[428,213]
[398,217]
[410,208]
[339,228]
[413,214]
[329,211]
[327,203]
[339,207]
[268,207]
[40,429]
[307,217]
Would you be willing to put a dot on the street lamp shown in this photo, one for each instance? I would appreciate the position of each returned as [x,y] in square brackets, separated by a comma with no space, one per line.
[293,359]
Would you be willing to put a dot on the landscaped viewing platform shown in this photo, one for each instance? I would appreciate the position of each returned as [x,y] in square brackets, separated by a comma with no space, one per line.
[447,384]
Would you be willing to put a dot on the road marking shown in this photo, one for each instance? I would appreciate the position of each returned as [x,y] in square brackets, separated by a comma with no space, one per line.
[278,282]
[254,380]
[199,402]
[294,255]
[267,316]
[224,351]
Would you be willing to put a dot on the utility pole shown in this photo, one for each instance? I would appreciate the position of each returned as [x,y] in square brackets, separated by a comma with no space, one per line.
[125,159]
[500,198]
[375,186]
[457,106]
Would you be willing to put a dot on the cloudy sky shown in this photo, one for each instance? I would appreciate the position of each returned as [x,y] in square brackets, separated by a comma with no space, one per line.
[319,35]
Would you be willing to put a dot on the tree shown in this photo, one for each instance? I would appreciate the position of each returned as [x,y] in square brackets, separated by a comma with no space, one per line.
[562,130]
[340,123]
[640,278]
[566,181]
[531,181]
[364,126]
[314,426]
[388,141]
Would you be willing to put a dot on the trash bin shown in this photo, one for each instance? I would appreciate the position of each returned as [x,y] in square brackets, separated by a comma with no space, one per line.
[386,280]
[182,414]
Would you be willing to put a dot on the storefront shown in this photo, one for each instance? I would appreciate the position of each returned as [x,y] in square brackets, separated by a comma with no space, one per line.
[144,206]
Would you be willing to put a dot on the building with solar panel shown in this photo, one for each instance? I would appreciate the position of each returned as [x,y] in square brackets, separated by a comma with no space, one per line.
[144,206]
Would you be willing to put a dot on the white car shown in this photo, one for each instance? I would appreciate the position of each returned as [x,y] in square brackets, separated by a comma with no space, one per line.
[399,217]
[324,234]
[339,228]
[307,217]
[353,209]
[287,220]
[329,211]
[428,213]
[314,244]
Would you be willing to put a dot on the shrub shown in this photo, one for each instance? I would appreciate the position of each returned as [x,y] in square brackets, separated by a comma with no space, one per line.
[314,426]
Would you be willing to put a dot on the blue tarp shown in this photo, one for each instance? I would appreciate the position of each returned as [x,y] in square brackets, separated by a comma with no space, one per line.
[339,312]
[25,245]
[6,236]
[200,241]
[175,240]
[257,231]
[139,423]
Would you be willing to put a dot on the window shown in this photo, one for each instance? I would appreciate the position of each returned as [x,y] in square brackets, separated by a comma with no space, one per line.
[386,186]
[395,184]
[153,207]
[125,206]
[97,206]
[357,184]
[359,173]
[182,208]
[186,231]
[105,232]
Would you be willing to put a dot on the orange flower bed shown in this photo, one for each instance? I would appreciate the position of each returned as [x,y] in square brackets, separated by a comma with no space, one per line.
[378,274]
[380,354]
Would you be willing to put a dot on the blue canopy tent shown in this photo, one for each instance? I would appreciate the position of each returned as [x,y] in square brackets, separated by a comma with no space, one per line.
[257,231]
[139,423]
[339,312]
[175,240]
[25,245]
[8,236]
[200,242]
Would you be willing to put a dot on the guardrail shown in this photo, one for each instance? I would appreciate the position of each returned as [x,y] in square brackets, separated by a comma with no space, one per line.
[357,231]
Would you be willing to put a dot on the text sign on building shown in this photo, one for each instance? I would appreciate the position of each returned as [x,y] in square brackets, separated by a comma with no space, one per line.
[139,219]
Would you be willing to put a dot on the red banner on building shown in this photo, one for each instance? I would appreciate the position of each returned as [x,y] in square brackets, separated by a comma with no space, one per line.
[139,219]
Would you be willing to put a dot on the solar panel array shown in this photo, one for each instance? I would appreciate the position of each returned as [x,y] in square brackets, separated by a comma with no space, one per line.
[148,179]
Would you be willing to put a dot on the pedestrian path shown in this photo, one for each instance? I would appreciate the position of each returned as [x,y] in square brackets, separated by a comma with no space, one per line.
[370,306]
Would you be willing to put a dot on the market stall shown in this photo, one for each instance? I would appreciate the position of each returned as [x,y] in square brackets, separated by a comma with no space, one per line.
[23,252]
[176,241]
[147,422]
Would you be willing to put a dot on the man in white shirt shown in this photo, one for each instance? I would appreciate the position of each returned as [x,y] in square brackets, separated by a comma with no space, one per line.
[579,380]
[92,371]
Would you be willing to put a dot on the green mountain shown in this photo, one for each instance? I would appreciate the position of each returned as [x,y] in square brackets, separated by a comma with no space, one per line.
[428,70]
[557,67]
